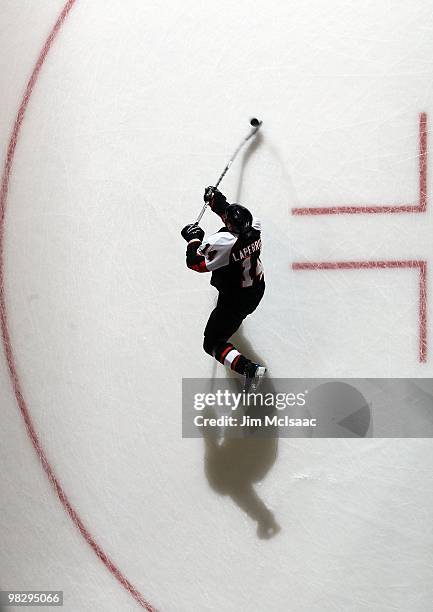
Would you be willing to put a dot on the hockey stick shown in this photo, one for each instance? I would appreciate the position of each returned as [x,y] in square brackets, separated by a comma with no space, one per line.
[255,123]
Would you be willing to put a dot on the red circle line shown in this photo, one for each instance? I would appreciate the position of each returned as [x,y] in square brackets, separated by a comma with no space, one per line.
[7,344]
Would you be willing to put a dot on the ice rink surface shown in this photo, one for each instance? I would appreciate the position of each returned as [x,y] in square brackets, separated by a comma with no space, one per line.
[136,107]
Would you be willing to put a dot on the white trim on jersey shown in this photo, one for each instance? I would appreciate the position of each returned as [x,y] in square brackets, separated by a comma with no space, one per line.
[257,224]
[216,249]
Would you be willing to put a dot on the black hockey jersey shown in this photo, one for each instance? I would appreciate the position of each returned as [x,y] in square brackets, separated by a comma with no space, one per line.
[233,259]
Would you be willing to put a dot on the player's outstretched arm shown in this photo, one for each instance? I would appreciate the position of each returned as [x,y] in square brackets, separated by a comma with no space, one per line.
[193,234]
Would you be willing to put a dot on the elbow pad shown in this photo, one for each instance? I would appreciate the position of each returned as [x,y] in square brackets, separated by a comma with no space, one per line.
[194,261]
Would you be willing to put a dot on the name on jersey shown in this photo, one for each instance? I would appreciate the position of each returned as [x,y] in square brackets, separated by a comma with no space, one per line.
[247,251]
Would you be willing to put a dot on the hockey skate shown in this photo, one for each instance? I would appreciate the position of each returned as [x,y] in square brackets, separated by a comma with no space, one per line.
[254,373]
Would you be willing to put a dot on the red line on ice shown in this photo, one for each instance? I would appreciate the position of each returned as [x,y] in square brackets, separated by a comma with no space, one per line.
[423,311]
[371,265]
[7,345]
[387,208]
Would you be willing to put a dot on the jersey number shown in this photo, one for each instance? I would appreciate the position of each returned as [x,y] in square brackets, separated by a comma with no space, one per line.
[247,276]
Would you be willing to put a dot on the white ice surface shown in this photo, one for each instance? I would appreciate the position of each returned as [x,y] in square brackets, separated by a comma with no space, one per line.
[135,111]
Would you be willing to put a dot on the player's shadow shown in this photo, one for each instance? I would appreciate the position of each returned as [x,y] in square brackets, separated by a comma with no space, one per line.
[234,464]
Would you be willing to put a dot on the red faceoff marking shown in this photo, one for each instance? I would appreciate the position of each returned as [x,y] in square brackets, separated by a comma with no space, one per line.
[421,266]
[384,208]
[421,207]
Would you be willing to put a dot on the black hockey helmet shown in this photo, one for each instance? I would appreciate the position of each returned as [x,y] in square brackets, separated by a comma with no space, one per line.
[238,219]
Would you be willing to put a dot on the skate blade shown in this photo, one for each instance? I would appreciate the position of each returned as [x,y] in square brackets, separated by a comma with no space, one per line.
[252,384]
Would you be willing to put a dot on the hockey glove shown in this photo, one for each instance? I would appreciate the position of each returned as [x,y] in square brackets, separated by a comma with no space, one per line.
[192,232]
[216,200]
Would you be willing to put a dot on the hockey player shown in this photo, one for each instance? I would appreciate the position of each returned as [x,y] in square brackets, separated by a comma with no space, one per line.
[233,256]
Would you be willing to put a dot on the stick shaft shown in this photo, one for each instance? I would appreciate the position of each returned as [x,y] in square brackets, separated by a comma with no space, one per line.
[227,168]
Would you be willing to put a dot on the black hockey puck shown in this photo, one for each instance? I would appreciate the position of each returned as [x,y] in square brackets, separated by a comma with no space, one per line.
[255,122]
